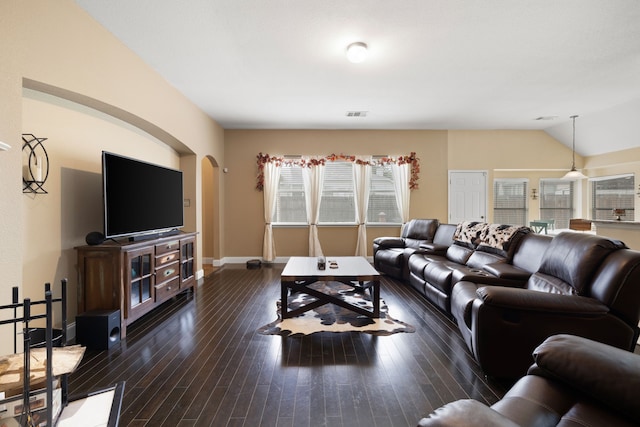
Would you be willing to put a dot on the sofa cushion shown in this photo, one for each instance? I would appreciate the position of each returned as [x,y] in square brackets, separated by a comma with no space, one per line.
[417,231]
[479,259]
[391,256]
[529,252]
[545,283]
[438,275]
[459,254]
[574,257]
[584,365]
[444,234]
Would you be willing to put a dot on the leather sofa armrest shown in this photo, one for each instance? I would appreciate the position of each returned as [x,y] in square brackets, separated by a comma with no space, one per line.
[528,300]
[607,374]
[507,271]
[465,412]
[389,242]
[433,248]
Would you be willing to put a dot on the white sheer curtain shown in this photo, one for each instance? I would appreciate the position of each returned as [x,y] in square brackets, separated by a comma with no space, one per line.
[362,186]
[313,179]
[271,178]
[401,177]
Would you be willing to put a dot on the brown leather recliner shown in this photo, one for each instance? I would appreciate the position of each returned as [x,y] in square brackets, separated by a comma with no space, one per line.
[390,254]
[586,285]
[573,382]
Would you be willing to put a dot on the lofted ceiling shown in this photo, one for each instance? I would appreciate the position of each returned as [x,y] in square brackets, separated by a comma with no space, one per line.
[432,64]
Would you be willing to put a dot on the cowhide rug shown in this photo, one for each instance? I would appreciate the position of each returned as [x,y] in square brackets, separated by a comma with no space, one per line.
[333,318]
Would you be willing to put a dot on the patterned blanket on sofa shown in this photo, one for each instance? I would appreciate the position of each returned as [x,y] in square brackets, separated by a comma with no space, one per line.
[481,234]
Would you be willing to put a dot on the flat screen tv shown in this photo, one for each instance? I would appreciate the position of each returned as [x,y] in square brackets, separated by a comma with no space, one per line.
[140,198]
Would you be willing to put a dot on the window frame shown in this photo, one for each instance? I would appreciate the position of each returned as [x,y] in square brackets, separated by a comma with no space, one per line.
[593,209]
[525,198]
[378,164]
[572,202]
[290,223]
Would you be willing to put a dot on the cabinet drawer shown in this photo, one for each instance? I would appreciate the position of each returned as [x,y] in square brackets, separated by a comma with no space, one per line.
[167,272]
[167,258]
[165,247]
[167,289]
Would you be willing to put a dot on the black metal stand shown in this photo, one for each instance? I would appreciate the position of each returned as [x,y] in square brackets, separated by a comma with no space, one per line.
[25,319]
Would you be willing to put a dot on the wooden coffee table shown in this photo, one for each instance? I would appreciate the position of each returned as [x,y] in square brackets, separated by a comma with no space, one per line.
[357,272]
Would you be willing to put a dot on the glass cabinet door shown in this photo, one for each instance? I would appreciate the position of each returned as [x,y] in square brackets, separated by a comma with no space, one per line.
[140,279]
[187,261]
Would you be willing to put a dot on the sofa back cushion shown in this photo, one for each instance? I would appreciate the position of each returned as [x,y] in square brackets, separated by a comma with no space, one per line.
[444,234]
[417,231]
[479,259]
[529,252]
[459,254]
[574,257]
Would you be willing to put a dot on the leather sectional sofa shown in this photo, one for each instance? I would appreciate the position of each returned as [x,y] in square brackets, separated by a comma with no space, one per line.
[573,382]
[508,289]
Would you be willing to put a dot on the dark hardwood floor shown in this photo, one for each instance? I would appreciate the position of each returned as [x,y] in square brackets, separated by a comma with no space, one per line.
[198,361]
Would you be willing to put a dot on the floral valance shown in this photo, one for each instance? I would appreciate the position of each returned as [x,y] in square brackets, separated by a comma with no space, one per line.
[301,162]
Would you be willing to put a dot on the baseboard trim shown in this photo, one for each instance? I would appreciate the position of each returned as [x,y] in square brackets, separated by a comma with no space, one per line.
[244,259]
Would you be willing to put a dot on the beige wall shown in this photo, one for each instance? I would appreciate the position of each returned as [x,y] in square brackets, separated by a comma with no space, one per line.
[58,221]
[56,48]
[534,153]
[11,226]
[243,203]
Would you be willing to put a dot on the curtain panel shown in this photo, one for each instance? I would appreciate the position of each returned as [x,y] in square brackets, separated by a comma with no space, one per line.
[313,179]
[362,182]
[271,178]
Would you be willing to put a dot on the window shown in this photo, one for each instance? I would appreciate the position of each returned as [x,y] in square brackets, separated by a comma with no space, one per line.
[290,201]
[337,204]
[383,206]
[510,201]
[556,201]
[612,193]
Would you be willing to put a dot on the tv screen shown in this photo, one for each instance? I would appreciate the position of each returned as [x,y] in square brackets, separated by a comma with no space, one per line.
[140,197]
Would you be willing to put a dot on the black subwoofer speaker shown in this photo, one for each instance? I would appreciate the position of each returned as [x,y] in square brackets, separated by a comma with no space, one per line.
[98,330]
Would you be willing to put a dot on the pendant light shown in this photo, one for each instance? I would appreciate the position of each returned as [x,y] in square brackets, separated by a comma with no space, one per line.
[574,174]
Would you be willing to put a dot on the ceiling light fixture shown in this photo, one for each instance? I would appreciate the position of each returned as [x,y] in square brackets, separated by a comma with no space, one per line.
[574,174]
[357,52]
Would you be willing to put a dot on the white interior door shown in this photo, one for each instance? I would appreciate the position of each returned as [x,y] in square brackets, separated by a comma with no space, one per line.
[467,196]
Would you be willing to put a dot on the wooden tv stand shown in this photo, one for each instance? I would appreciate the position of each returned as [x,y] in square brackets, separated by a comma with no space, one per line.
[135,277]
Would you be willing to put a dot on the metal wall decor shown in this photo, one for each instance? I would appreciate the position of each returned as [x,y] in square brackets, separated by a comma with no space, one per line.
[35,164]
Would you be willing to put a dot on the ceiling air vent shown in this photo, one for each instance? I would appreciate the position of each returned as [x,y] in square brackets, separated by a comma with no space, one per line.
[546,118]
[356,113]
